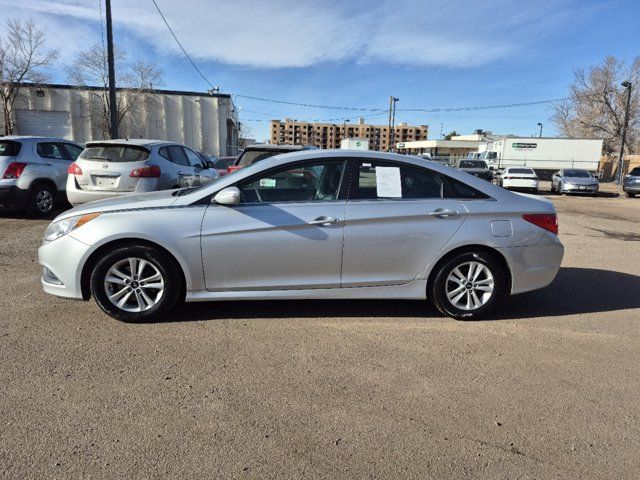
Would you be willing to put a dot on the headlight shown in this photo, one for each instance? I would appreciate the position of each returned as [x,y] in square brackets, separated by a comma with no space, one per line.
[62,227]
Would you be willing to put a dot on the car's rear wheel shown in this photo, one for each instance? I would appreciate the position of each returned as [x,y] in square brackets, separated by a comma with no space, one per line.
[136,283]
[41,200]
[630,194]
[469,285]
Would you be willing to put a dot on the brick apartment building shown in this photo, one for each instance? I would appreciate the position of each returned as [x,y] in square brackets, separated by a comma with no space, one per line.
[329,135]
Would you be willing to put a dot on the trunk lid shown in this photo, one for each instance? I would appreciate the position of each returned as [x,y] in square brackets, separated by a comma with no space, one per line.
[107,167]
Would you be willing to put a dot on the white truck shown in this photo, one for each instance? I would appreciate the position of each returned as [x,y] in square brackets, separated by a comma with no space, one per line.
[354,144]
[545,155]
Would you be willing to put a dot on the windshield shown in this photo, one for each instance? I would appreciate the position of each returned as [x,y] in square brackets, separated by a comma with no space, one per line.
[473,164]
[250,169]
[577,173]
[9,148]
[115,153]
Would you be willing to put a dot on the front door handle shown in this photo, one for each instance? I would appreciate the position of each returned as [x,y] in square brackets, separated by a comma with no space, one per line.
[324,221]
[443,213]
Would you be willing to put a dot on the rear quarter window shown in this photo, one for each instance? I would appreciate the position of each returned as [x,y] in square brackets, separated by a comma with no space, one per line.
[9,148]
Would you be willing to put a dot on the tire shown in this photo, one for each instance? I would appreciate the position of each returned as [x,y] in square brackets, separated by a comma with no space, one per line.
[630,194]
[143,302]
[41,200]
[491,274]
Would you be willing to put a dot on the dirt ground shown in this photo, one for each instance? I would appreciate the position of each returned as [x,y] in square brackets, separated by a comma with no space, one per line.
[550,388]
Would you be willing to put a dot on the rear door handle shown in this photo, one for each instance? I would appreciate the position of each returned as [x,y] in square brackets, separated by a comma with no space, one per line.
[443,213]
[324,221]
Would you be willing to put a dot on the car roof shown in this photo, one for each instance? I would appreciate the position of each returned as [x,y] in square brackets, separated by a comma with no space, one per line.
[35,137]
[277,148]
[140,142]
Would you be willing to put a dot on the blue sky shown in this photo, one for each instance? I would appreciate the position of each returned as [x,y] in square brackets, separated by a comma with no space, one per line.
[429,53]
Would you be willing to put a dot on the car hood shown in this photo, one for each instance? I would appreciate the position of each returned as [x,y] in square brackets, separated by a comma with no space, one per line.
[580,180]
[162,198]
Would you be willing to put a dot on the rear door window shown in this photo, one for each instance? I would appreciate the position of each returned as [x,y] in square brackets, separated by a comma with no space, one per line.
[382,180]
[9,148]
[51,150]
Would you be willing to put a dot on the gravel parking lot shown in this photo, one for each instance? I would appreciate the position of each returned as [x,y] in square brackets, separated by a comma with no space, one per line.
[367,389]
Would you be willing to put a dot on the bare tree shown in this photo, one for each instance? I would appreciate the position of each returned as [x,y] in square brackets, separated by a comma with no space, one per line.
[243,133]
[596,105]
[135,79]
[22,57]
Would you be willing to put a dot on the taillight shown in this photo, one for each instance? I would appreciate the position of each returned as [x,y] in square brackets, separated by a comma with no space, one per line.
[152,171]
[547,221]
[233,168]
[74,169]
[14,170]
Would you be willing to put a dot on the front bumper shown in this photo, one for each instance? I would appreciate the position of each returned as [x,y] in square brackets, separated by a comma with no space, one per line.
[63,260]
[570,188]
[631,187]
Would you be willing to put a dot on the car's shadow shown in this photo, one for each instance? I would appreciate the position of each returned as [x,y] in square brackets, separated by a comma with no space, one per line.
[21,214]
[574,291]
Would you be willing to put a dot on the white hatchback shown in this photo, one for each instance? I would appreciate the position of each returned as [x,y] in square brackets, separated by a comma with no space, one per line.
[519,178]
[112,168]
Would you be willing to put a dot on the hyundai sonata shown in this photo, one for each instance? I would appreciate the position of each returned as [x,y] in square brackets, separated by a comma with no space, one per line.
[308,225]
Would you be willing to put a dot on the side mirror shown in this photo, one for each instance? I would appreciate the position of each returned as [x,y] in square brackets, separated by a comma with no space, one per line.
[227,196]
[209,164]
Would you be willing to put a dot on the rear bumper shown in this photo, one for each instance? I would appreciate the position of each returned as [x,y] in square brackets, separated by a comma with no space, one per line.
[76,196]
[528,184]
[535,266]
[12,195]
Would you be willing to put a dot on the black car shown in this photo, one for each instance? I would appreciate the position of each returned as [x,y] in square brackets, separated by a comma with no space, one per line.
[257,152]
[478,168]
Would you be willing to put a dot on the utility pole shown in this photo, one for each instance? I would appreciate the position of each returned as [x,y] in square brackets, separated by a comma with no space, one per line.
[392,121]
[540,125]
[113,107]
[344,128]
[626,85]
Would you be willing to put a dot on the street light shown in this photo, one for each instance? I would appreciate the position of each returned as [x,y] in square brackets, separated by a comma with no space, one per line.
[626,85]
[540,125]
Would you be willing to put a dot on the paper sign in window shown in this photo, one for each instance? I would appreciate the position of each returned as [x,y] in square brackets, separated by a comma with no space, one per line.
[388,184]
[268,182]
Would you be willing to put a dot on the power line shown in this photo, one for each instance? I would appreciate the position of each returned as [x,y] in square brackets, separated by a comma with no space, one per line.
[180,45]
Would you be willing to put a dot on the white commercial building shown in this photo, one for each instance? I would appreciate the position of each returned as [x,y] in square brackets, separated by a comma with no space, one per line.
[205,122]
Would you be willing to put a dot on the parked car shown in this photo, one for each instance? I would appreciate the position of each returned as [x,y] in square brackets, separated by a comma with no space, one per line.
[112,168]
[519,178]
[255,153]
[477,168]
[574,180]
[631,183]
[311,225]
[223,163]
[34,172]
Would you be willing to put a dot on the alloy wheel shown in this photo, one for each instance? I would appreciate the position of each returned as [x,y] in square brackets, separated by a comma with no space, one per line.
[134,284]
[469,286]
[44,201]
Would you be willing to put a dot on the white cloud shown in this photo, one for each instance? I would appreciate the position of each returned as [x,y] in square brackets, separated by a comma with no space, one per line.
[282,33]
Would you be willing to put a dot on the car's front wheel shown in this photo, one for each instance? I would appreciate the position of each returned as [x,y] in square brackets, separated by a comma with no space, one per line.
[136,283]
[469,285]
[630,194]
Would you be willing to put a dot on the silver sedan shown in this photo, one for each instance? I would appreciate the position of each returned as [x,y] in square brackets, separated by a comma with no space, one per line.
[316,224]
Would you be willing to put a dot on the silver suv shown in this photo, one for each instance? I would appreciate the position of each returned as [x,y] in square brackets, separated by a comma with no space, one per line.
[34,172]
[112,168]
